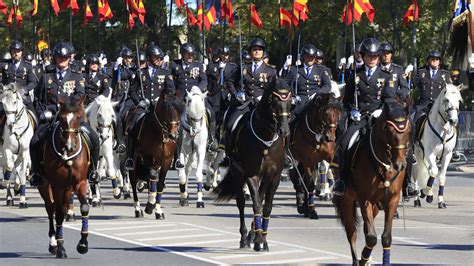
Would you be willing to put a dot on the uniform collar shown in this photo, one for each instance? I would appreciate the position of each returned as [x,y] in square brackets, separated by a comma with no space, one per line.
[387,66]
[373,69]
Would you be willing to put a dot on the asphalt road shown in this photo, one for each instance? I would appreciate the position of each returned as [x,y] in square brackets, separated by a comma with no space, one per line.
[427,236]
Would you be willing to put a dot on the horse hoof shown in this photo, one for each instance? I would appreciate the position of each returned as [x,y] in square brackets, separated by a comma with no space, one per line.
[441,205]
[139,214]
[61,253]
[126,195]
[200,204]
[207,187]
[265,247]
[257,247]
[327,197]
[396,215]
[23,205]
[183,202]
[82,248]
[118,196]
[247,196]
[10,202]
[95,204]
[422,195]
[141,187]
[243,244]
[149,208]
[53,249]
[16,192]
[429,199]
[313,215]
[159,216]
[417,203]
[300,209]
[70,218]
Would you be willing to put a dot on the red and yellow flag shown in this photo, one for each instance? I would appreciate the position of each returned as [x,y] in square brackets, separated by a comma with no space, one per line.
[105,13]
[411,14]
[227,12]
[180,5]
[42,45]
[16,13]
[3,7]
[300,11]
[254,17]
[55,6]
[88,16]
[210,18]
[34,10]
[141,9]
[285,18]
[71,4]
[360,7]
[190,17]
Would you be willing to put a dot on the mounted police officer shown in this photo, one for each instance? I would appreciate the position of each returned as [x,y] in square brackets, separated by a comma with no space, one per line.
[145,91]
[396,71]
[188,73]
[60,80]
[96,83]
[122,75]
[308,79]
[373,86]
[222,75]
[428,83]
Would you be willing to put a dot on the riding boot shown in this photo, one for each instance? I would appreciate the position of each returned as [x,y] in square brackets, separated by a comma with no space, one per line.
[213,145]
[288,160]
[130,163]
[121,148]
[409,187]
[179,164]
[35,154]
[94,147]
[336,166]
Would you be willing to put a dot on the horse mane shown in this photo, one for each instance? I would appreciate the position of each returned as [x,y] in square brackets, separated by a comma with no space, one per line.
[327,101]
[450,91]
[169,105]
[71,104]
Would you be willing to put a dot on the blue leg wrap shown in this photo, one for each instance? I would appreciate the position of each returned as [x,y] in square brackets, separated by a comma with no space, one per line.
[430,181]
[153,185]
[331,182]
[323,178]
[59,232]
[7,175]
[366,252]
[311,199]
[386,256]
[114,182]
[441,191]
[158,197]
[199,187]
[265,222]
[22,190]
[85,224]
[258,222]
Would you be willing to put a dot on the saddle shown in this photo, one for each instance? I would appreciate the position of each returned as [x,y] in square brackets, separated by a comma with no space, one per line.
[420,127]
[33,119]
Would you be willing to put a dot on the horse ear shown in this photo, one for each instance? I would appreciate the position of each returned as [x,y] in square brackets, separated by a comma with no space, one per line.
[461,87]
[115,103]
[205,94]
[188,94]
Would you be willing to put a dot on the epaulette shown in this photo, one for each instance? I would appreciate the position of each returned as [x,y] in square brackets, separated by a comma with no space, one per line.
[397,66]
[232,63]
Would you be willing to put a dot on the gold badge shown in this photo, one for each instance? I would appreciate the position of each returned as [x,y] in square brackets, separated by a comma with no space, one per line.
[161,79]
[357,80]
[143,78]
[391,83]
[380,82]
[400,119]
[263,77]
[50,81]
[82,82]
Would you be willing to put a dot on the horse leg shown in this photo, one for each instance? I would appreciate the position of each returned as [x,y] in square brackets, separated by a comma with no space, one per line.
[159,214]
[369,231]
[442,180]
[152,189]
[297,185]
[45,191]
[22,176]
[70,216]
[61,199]
[81,192]
[253,185]
[270,190]
[201,154]
[136,203]
[310,182]
[183,181]
[433,171]
[240,200]
[387,232]
[346,208]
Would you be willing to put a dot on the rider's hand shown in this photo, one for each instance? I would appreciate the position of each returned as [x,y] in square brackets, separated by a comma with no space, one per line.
[240,95]
[355,115]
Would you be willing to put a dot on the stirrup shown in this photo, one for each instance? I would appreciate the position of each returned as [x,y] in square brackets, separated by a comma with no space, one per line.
[288,163]
[94,177]
[178,165]
[339,188]
[121,148]
[129,164]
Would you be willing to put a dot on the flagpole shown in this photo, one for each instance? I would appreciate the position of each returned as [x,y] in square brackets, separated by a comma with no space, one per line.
[15,23]
[250,14]
[292,24]
[282,60]
[98,24]
[84,29]
[70,26]
[203,34]
[353,53]
[414,24]
[49,23]
[223,25]
[169,26]
[34,36]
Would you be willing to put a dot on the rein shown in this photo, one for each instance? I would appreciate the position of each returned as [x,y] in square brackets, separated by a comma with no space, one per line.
[64,156]
[267,143]
[164,129]
[438,135]
[18,116]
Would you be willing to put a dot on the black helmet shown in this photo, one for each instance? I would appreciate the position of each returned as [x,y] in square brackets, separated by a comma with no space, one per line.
[16,45]
[370,46]
[141,57]
[386,47]
[225,49]
[246,55]
[308,49]
[217,52]
[187,48]
[92,59]
[126,52]
[45,52]
[256,42]
[71,48]
[434,54]
[62,50]
[154,50]
[319,53]
[28,57]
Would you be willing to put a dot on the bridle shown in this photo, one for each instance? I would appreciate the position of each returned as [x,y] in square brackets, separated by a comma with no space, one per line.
[165,126]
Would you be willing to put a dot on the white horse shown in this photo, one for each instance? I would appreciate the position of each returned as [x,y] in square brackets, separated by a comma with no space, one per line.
[437,144]
[102,116]
[194,143]
[17,135]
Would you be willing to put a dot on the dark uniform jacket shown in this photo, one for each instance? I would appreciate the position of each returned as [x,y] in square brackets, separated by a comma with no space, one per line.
[217,85]
[49,87]
[317,81]
[398,77]
[371,93]
[185,79]
[95,85]
[23,76]
[429,88]
[255,83]
[120,86]
[78,66]
[153,85]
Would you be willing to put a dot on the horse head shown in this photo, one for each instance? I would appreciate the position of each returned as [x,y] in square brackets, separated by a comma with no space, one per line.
[393,133]
[12,103]
[71,113]
[447,104]
[106,117]
[167,114]
[195,106]
[280,105]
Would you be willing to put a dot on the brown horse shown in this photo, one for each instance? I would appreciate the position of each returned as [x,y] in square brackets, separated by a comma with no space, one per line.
[375,179]
[257,159]
[65,168]
[155,144]
[312,141]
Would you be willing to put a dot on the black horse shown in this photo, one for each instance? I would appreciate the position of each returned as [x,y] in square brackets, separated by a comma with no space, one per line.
[257,157]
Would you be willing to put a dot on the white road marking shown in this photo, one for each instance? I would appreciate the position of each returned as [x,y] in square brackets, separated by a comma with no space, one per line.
[340,227]
[200,243]
[409,241]
[157,232]
[176,237]
[134,227]
[254,254]
[294,260]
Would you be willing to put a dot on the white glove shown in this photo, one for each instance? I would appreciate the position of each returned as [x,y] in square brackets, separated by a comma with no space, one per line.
[144,104]
[221,64]
[46,116]
[355,115]
[350,60]
[240,95]
[33,62]
[206,61]
[298,62]
[118,62]
[46,63]
[376,113]
[166,59]
[342,63]
[409,69]
[288,61]
[471,61]
[84,61]
[103,62]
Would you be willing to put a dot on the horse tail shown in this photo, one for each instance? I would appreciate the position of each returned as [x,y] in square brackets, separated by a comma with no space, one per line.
[355,217]
[228,188]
